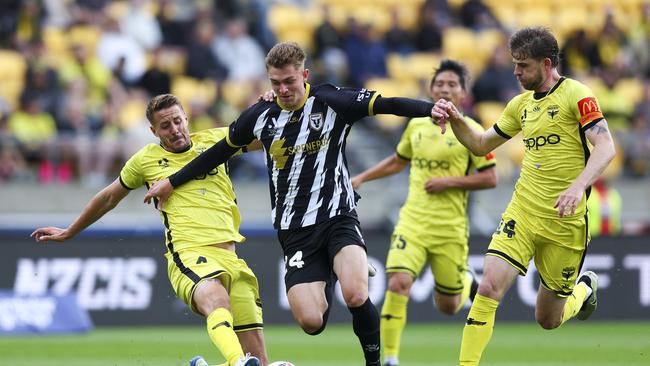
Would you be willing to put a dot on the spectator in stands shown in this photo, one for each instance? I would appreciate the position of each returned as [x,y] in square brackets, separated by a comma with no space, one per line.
[640,42]
[326,36]
[615,105]
[496,82]
[140,25]
[366,53]
[330,61]
[121,53]
[397,38]
[8,22]
[242,56]
[476,15]
[610,42]
[35,131]
[636,141]
[29,22]
[155,80]
[580,54]
[201,61]
[88,67]
[604,209]
[176,19]
[12,164]
[428,37]
[41,80]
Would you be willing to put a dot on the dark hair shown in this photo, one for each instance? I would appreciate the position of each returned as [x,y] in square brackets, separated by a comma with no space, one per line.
[453,66]
[285,53]
[160,102]
[538,43]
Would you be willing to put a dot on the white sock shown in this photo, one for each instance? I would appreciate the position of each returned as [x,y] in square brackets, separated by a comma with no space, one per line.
[393,360]
[589,290]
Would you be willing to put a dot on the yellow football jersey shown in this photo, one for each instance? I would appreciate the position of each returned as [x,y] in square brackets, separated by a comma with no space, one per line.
[201,212]
[555,146]
[433,154]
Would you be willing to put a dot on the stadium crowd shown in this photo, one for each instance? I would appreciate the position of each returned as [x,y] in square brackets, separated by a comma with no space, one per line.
[76,75]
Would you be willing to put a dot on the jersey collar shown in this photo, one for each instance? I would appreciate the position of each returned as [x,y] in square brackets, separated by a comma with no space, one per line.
[302,103]
[540,95]
[178,152]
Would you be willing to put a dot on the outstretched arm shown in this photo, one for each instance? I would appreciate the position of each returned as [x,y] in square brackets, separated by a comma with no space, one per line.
[479,143]
[202,164]
[389,166]
[486,178]
[404,107]
[602,153]
[99,205]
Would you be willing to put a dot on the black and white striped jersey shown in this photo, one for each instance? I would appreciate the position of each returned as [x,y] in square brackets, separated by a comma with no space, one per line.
[305,152]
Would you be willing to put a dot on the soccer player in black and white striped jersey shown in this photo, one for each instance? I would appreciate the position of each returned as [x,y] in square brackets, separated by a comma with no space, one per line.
[303,132]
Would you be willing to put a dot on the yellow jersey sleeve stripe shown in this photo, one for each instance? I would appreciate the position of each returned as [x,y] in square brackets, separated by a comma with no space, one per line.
[371,104]
[586,126]
[402,156]
[486,167]
[500,132]
[124,184]
[230,143]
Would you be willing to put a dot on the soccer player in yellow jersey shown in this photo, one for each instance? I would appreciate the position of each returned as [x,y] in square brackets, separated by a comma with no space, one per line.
[546,218]
[439,181]
[201,229]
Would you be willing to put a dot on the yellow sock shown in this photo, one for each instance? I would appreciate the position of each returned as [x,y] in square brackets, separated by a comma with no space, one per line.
[393,320]
[478,330]
[574,302]
[222,334]
[467,288]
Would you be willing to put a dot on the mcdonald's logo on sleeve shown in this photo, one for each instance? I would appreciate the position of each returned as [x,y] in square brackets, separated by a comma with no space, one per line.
[589,110]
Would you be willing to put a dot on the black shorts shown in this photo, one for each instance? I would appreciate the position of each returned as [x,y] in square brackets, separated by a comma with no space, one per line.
[309,251]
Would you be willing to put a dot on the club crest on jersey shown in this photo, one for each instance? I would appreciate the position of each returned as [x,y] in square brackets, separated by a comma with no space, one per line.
[316,121]
[553,110]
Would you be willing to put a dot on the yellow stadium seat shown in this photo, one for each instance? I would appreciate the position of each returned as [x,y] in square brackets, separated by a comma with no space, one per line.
[12,76]
[283,16]
[302,36]
[458,43]
[391,88]
[536,16]
[85,35]
[187,89]
[172,61]
[488,112]
[377,17]
[420,65]
[632,88]
[237,93]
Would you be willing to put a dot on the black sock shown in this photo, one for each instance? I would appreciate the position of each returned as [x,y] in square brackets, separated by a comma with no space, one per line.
[473,290]
[365,322]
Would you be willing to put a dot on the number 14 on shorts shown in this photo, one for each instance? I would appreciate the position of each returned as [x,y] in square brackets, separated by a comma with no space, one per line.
[296,260]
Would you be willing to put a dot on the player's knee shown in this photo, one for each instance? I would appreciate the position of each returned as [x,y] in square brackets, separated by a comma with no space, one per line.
[311,323]
[447,304]
[399,285]
[355,299]
[548,322]
[489,289]
[446,307]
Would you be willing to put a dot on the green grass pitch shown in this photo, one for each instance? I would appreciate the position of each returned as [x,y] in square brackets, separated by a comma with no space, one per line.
[521,344]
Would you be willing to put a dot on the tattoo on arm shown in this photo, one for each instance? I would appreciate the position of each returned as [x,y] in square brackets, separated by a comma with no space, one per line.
[600,127]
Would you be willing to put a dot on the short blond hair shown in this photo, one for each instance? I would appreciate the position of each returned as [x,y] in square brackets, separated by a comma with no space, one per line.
[285,53]
[160,102]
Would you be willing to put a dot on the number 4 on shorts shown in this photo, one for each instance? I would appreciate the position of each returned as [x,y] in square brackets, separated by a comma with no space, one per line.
[296,260]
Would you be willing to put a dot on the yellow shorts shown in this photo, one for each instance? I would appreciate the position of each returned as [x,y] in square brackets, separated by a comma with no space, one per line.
[189,266]
[447,258]
[558,246]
